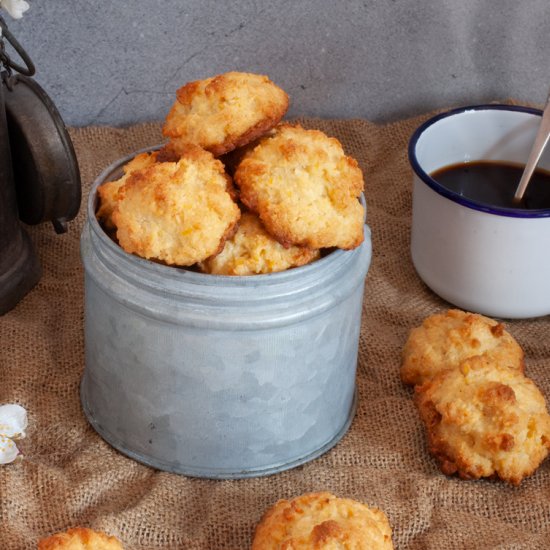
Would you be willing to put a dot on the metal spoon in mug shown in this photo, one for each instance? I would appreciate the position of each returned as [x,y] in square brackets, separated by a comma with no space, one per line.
[541,140]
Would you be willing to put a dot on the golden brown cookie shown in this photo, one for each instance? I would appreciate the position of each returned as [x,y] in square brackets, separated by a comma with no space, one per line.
[108,192]
[224,112]
[252,250]
[444,340]
[485,420]
[80,538]
[322,521]
[179,213]
[304,188]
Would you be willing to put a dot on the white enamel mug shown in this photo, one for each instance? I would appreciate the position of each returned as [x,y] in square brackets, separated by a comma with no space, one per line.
[484,259]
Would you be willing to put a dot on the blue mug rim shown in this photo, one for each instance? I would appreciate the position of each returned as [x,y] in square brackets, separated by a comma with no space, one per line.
[452,195]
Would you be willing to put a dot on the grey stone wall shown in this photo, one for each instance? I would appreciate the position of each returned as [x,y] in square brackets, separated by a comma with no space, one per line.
[106,62]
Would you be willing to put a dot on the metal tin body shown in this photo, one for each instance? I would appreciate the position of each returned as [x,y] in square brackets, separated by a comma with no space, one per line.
[219,377]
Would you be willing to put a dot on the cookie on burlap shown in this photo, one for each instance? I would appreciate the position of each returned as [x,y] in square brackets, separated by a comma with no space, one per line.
[444,340]
[179,213]
[108,192]
[252,250]
[485,420]
[224,112]
[80,538]
[304,188]
[322,521]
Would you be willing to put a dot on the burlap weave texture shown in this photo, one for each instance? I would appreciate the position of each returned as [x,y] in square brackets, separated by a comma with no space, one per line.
[69,476]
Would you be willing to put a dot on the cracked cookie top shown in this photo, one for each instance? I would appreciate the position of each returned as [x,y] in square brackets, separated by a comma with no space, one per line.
[224,112]
[304,188]
[179,213]
[322,521]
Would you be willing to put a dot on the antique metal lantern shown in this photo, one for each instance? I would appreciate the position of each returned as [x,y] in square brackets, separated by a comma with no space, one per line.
[39,175]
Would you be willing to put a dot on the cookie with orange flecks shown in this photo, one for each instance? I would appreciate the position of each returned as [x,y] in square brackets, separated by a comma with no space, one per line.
[322,521]
[485,420]
[224,112]
[252,250]
[80,538]
[108,192]
[304,188]
[444,340]
[179,213]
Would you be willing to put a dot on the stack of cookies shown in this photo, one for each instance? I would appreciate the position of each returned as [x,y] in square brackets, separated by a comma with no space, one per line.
[483,416]
[234,191]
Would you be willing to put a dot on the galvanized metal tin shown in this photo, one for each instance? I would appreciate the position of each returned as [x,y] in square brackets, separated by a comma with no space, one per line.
[215,376]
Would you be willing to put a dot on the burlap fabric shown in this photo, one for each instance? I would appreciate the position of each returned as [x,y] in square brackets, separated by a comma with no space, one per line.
[69,476]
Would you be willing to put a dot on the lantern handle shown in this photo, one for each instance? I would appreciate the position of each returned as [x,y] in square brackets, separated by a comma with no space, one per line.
[9,64]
